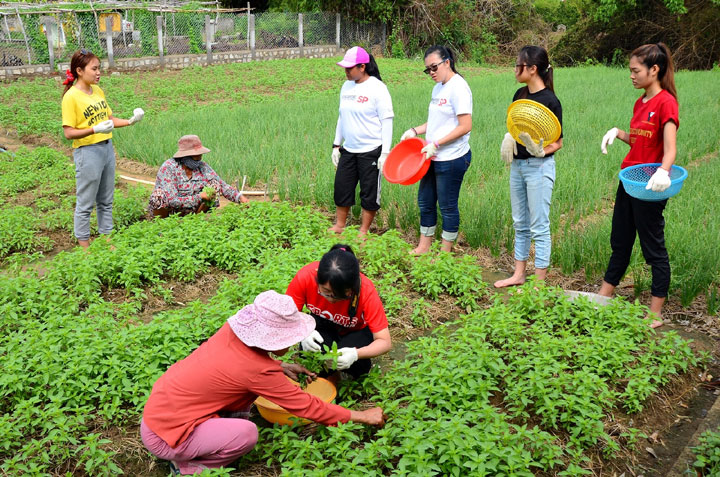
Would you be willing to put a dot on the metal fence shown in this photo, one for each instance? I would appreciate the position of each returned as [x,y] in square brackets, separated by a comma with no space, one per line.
[28,38]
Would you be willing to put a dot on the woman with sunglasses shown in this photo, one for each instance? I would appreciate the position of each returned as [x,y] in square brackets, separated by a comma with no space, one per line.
[362,138]
[532,169]
[87,119]
[346,308]
[447,132]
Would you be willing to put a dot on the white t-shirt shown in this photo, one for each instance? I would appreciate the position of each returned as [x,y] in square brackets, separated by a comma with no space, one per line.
[448,101]
[362,107]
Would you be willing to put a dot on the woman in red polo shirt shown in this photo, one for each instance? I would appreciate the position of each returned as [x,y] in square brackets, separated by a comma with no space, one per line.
[652,137]
[346,308]
[196,415]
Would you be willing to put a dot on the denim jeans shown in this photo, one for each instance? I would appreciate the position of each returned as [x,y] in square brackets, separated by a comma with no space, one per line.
[441,186]
[531,185]
[94,183]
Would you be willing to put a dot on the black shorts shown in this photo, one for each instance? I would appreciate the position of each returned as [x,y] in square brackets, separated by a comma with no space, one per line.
[354,168]
[333,333]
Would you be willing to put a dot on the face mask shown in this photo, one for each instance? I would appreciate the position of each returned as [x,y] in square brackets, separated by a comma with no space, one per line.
[190,163]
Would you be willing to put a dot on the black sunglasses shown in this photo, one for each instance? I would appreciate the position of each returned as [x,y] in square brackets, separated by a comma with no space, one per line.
[433,68]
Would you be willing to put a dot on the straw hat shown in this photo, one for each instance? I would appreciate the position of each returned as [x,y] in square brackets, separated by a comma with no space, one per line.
[272,322]
[190,145]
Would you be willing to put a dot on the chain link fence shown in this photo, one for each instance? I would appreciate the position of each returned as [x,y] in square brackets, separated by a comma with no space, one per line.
[40,38]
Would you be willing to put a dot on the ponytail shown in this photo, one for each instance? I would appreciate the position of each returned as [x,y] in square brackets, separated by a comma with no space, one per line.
[538,56]
[445,53]
[80,59]
[371,68]
[658,54]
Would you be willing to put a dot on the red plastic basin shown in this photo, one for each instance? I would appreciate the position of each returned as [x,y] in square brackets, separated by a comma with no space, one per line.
[406,164]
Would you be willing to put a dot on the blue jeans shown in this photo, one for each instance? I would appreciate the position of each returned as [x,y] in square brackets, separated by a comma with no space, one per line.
[531,185]
[95,184]
[441,186]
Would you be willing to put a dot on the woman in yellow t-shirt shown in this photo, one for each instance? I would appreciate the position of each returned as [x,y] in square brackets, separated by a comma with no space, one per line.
[87,119]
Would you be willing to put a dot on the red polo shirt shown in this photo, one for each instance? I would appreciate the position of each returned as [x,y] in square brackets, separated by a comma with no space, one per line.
[646,128]
[224,374]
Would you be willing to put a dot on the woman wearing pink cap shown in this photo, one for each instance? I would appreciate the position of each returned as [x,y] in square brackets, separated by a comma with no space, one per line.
[180,182]
[196,415]
[362,138]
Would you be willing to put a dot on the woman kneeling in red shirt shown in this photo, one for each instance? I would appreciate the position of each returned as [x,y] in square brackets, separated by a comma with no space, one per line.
[192,415]
[346,308]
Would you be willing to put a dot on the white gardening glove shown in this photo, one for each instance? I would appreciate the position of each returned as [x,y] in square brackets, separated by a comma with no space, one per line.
[335,156]
[381,161]
[346,358]
[608,139]
[430,149]
[312,342]
[103,127]
[659,181]
[408,134]
[137,116]
[535,150]
[508,148]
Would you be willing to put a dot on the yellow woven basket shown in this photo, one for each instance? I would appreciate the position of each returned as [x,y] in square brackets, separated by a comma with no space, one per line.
[525,115]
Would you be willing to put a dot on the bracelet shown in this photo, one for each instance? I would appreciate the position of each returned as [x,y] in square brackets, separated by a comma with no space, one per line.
[414,131]
[335,145]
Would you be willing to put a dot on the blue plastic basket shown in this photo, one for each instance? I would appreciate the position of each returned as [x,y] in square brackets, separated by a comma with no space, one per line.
[635,178]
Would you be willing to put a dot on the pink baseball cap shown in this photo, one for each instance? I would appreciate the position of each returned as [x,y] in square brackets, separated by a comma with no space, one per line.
[272,322]
[354,56]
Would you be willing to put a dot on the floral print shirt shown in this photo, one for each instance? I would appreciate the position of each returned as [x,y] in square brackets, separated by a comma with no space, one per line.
[173,189]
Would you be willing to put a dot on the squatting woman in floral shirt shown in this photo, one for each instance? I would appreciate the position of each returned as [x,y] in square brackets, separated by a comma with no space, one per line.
[180,182]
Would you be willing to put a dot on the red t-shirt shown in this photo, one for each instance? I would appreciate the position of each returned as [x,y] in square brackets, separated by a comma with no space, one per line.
[224,374]
[646,128]
[370,312]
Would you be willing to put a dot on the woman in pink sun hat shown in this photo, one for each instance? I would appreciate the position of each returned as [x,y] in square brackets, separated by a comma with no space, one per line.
[181,180]
[362,138]
[197,413]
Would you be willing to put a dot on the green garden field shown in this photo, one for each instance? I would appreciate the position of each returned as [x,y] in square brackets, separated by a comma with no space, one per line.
[526,383]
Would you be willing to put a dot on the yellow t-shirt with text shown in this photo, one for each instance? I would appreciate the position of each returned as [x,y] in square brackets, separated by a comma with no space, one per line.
[81,111]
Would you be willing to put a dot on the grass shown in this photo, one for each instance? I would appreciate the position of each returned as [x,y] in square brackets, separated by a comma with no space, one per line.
[274,121]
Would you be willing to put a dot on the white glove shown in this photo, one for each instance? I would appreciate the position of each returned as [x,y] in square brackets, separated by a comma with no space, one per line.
[430,149]
[312,342]
[608,139]
[347,356]
[381,161]
[137,116]
[536,150]
[408,134]
[508,148]
[659,181]
[335,156]
[103,127]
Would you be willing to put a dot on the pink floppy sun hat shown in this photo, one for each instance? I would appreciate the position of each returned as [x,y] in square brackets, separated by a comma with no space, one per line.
[190,145]
[272,322]
[354,56]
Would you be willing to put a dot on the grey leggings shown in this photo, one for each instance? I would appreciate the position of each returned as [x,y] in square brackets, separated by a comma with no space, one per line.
[95,183]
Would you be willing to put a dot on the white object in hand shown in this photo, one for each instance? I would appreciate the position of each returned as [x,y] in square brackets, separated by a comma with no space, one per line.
[659,181]
[408,134]
[430,149]
[137,116]
[346,358]
[312,342]
[608,139]
[536,150]
[103,127]
[381,161]
[335,156]
[508,148]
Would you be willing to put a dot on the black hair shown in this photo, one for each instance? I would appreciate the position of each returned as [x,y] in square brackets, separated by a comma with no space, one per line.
[339,268]
[537,56]
[658,54]
[371,67]
[445,53]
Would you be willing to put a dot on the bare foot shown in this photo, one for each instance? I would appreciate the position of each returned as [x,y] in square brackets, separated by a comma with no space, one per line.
[419,250]
[336,229]
[656,324]
[509,282]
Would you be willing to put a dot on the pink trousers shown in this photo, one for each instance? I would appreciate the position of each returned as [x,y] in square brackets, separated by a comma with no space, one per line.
[214,443]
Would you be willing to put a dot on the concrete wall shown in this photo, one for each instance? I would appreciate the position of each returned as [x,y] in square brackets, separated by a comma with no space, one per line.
[181,61]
